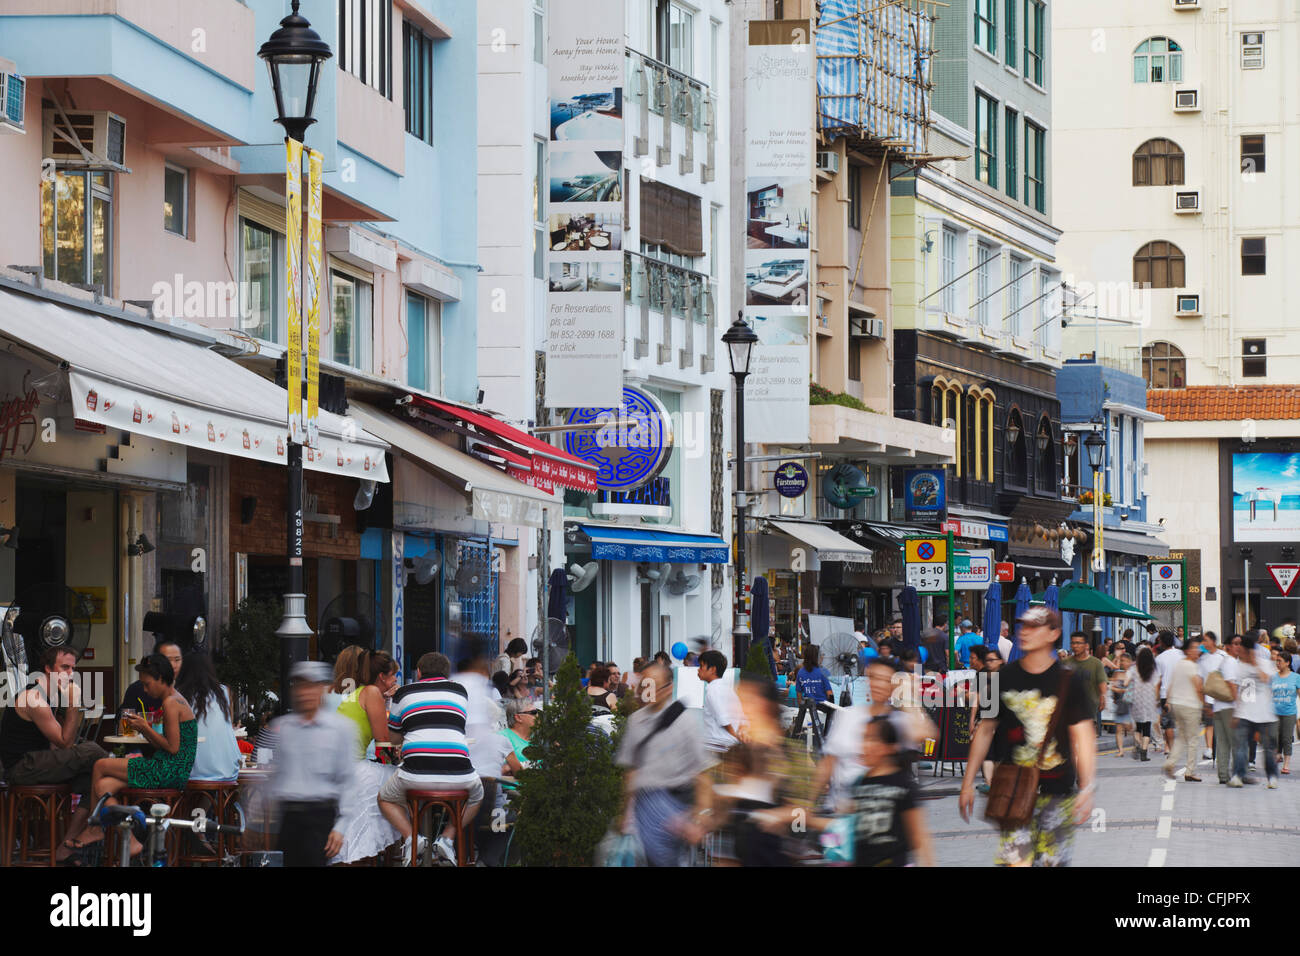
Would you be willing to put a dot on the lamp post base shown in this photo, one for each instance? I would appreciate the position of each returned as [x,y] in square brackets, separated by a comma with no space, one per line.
[295,641]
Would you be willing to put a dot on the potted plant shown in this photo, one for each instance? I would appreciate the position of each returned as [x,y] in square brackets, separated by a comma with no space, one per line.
[249,661]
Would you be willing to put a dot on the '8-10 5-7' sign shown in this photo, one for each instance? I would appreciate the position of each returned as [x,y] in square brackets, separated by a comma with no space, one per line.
[1166,582]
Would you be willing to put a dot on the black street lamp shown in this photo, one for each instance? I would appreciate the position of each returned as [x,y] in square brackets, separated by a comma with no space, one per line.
[1095,447]
[740,341]
[294,55]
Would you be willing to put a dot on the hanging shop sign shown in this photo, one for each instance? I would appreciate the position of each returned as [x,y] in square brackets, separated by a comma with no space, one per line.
[844,486]
[791,480]
[632,448]
[972,570]
[924,494]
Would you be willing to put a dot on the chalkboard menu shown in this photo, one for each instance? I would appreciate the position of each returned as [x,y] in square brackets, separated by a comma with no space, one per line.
[420,606]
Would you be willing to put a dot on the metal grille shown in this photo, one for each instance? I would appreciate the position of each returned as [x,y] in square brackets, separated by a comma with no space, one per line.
[479,617]
[716,496]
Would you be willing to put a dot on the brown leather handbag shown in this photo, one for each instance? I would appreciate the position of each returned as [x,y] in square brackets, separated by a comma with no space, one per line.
[1014,789]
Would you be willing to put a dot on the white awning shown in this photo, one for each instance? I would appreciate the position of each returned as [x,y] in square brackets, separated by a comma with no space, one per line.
[133,377]
[494,495]
[828,545]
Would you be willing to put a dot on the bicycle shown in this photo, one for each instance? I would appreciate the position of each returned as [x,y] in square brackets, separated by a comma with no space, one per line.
[129,820]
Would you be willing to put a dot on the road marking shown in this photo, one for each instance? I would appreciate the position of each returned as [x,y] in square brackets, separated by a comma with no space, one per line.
[1167,803]
[1157,857]
[1163,828]
[1169,785]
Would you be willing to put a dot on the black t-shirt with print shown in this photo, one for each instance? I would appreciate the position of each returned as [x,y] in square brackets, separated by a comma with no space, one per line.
[879,804]
[1025,705]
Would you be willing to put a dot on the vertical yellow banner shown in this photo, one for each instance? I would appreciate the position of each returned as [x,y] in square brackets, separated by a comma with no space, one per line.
[315,288]
[293,277]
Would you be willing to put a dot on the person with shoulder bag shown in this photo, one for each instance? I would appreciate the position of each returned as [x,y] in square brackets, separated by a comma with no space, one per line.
[1044,744]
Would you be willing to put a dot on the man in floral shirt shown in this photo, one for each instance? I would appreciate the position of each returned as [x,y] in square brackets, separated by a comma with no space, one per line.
[1029,692]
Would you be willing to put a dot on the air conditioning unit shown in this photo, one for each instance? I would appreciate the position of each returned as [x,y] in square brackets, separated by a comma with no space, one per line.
[1187,101]
[13,99]
[1187,202]
[1188,305]
[1186,4]
[861,327]
[828,162]
[101,133]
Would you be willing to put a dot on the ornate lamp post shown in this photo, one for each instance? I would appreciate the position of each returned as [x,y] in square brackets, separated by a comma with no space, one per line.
[294,55]
[740,340]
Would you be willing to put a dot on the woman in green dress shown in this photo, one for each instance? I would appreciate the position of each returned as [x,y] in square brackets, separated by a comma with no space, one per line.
[169,766]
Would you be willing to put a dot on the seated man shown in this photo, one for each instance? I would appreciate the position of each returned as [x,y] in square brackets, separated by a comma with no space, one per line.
[136,698]
[427,719]
[38,738]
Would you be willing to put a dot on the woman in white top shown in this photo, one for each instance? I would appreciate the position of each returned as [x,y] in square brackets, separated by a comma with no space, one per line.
[217,755]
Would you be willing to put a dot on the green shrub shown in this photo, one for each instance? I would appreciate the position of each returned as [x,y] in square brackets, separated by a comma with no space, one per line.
[249,661]
[756,664]
[817,395]
[572,790]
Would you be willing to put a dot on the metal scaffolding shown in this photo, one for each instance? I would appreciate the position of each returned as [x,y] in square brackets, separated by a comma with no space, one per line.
[873,72]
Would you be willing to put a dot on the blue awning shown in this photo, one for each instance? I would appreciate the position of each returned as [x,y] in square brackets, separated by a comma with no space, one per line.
[632,544]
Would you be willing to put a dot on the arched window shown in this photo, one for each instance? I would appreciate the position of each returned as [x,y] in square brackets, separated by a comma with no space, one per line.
[1158,60]
[1163,365]
[1016,470]
[1045,448]
[987,419]
[1158,162]
[1159,265]
[971,451]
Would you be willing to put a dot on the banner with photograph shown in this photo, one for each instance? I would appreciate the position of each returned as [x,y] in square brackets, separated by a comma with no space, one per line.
[1266,497]
[583,196]
[779,152]
[293,280]
[315,291]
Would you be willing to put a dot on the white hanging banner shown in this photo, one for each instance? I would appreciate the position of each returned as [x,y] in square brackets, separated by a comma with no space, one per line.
[583,199]
[779,154]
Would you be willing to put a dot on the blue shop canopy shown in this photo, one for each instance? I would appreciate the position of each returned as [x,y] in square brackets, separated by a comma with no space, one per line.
[632,544]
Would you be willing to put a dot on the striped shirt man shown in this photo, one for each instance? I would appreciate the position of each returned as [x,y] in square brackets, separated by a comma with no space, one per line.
[430,715]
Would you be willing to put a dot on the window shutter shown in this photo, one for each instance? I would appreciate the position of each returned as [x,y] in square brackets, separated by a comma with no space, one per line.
[671,218]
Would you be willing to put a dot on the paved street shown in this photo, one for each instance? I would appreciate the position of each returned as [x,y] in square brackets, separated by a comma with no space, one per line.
[1146,820]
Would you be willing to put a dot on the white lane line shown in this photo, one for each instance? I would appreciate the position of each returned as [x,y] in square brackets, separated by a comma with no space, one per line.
[1157,857]
[1163,828]
[1167,803]
[1169,785]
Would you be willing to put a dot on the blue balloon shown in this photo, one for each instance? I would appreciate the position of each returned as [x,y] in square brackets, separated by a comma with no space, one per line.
[680,650]
[870,653]
[924,654]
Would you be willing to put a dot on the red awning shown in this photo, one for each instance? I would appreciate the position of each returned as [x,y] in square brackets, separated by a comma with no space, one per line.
[550,466]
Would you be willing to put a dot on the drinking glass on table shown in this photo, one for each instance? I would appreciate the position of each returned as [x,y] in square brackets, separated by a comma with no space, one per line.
[124,727]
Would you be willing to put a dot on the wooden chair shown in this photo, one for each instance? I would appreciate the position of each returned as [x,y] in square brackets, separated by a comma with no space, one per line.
[451,802]
[33,812]
[218,799]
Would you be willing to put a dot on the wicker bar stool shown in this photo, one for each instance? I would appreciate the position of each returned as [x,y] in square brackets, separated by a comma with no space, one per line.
[35,821]
[453,802]
[218,798]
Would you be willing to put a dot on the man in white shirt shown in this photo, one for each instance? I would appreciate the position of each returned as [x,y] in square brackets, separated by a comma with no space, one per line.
[484,719]
[1219,732]
[1165,661]
[1254,673]
[1004,641]
[1186,691]
[723,718]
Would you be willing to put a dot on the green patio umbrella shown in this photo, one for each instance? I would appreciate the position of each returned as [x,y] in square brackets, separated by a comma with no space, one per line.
[1081,598]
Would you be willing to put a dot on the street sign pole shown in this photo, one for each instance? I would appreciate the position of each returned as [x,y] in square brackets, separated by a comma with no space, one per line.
[952,598]
[1182,576]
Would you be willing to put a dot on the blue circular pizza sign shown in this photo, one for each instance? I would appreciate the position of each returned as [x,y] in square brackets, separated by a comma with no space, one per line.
[631,448]
[791,480]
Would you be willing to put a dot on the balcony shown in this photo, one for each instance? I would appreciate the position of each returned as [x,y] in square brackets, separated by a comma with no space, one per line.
[679,100]
[653,285]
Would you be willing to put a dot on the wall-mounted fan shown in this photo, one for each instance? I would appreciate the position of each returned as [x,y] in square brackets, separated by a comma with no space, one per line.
[582,576]
[472,575]
[556,644]
[52,615]
[655,575]
[350,618]
[682,582]
[423,569]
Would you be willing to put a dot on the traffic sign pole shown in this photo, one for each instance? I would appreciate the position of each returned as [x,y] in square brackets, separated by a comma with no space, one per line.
[952,593]
[1182,576]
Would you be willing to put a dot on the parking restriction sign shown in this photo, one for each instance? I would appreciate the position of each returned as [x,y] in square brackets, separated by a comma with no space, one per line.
[927,564]
[1166,582]
[926,550]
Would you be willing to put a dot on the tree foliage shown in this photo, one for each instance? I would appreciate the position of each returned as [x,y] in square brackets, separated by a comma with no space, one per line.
[756,664]
[572,789]
[250,653]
